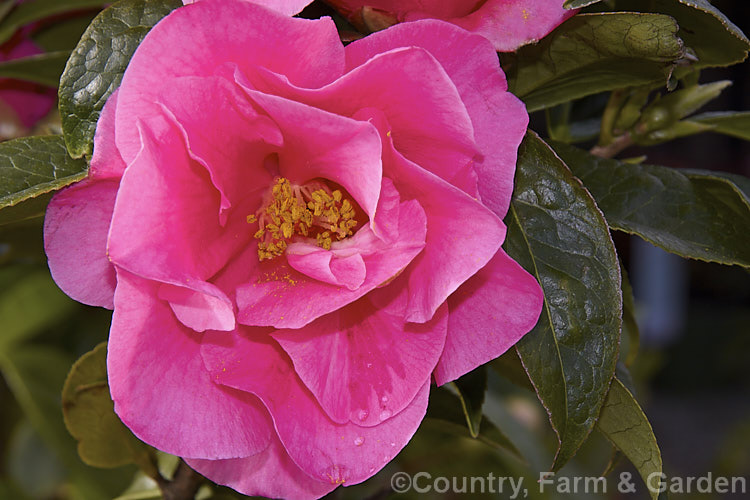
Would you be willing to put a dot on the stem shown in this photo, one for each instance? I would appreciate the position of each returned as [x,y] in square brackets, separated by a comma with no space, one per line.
[613,148]
[183,486]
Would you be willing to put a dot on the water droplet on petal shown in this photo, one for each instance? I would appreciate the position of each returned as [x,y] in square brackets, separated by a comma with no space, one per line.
[362,414]
[393,444]
[385,414]
[369,365]
[384,399]
[359,440]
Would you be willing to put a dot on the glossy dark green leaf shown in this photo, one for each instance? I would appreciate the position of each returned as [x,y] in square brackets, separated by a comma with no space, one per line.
[704,28]
[630,330]
[31,167]
[471,390]
[509,366]
[103,440]
[30,304]
[734,123]
[556,232]
[445,410]
[63,34]
[695,214]
[592,53]
[96,66]
[42,68]
[577,4]
[34,10]
[623,422]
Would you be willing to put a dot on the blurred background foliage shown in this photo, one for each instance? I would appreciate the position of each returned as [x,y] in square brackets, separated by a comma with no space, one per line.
[692,374]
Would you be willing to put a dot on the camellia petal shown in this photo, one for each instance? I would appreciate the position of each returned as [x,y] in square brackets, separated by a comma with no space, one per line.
[75,241]
[173,403]
[307,52]
[499,118]
[286,7]
[508,24]
[376,361]
[270,473]
[338,453]
[488,315]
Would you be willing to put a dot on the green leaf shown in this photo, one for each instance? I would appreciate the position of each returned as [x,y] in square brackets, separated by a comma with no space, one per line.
[30,304]
[704,28]
[471,389]
[630,328]
[592,53]
[623,422]
[445,410]
[96,66]
[34,10]
[556,232]
[31,167]
[42,68]
[734,123]
[577,4]
[695,214]
[88,410]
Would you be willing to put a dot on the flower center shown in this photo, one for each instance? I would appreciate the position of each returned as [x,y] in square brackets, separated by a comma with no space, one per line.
[310,211]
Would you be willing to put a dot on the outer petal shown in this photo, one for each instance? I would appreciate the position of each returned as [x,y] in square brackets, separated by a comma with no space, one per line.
[161,389]
[488,315]
[462,234]
[166,224]
[271,473]
[308,52]
[106,162]
[286,7]
[375,362]
[340,454]
[508,24]
[75,241]
[499,118]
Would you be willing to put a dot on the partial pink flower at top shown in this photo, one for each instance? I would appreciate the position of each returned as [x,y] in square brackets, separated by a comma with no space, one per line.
[508,24]
[22,103]
[286,7]
[296,237]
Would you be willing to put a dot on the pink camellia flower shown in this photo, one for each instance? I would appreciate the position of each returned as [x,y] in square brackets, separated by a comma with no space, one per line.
[22,104]
[508,24]
[296,238]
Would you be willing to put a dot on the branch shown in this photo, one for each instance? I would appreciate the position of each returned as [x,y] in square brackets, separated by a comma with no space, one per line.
[613,148]
[183,486]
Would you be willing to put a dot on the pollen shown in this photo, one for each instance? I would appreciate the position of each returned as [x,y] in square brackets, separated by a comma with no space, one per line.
[311,212]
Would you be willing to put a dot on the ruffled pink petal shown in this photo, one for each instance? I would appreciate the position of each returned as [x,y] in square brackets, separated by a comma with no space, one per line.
[308,52]
[498,117]
[462,235]
[285,7]
[375,362]
[166,223]
[318,144]
[509,24]
[75,241]
[29,101]
[270,473]
[347,270]
[226,135]
[488,315]
[106,162]
[278,295]
[206,308]
[430,124]
[337,453]
[161,389]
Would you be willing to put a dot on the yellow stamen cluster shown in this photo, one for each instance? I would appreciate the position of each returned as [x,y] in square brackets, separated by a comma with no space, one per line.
[312,210]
